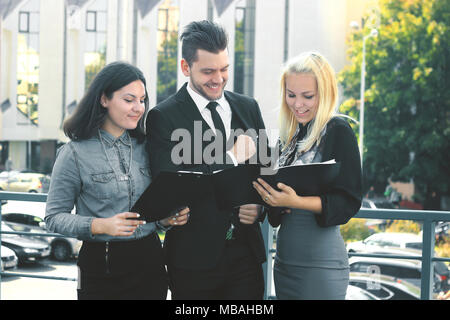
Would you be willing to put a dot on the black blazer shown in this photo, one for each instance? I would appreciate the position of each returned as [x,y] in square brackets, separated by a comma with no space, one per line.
[343,199]
[199,243]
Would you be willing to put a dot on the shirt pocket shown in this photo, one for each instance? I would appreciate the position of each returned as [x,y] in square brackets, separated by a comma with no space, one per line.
[104,184]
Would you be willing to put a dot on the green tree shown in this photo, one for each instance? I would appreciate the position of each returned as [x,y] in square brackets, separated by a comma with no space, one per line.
[404,226]
[94,67]
[167,68]
[355,230]
[407,97]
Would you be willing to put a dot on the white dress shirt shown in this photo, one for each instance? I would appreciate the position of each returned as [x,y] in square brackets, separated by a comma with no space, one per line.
[223,109]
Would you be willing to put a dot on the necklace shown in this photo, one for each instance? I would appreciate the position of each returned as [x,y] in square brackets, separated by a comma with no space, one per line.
[121,176]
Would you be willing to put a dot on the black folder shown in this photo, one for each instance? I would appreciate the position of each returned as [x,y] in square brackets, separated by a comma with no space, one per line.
[232,187]
[310,179]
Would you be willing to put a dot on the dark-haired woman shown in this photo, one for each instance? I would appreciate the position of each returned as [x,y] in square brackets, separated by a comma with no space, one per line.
[102,171]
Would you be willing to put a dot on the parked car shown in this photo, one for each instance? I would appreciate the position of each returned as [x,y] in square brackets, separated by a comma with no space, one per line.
[26,182]
[404,269]
[9,258]
[377,203]
[385,287]
[28,216]
[357,293]
[27,249]
[442,230]
[386,240]
[5,175]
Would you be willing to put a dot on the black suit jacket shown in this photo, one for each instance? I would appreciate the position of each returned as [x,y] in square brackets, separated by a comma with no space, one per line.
[199,243]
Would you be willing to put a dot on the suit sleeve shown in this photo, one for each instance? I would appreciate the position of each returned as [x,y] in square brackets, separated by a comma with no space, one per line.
[160,146]
[343,200]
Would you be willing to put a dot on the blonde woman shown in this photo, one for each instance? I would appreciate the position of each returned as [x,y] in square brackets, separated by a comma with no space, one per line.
[311,260]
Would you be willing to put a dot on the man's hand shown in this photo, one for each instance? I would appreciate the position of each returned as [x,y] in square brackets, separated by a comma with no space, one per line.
[249,213]
[244,148]
[178,219]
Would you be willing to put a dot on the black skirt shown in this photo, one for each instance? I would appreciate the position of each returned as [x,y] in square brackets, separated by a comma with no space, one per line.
[122,270]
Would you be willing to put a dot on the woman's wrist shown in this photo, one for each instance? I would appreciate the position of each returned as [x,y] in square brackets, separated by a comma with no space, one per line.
[312,203]
[97,226]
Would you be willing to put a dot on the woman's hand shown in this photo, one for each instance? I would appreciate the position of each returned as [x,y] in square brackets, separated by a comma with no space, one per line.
[178,219]
[287,197]
[122,224]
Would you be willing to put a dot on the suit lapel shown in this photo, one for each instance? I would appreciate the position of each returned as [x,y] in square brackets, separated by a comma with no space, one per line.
[190,114]
[237,109]
[187,105]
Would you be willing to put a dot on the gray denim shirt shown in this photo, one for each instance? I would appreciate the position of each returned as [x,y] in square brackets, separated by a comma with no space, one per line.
[84,177]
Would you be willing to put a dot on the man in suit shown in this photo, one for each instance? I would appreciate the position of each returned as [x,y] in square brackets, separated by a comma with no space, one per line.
[217,254]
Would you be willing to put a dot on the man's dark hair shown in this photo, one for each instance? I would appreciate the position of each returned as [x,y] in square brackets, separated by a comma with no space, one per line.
[205,35]
[89,115]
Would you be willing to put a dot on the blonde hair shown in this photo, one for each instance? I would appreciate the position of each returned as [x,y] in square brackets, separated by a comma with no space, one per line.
[315,64]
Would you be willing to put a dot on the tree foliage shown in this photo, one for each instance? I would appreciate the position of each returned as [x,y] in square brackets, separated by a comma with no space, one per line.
[167,68]
[94,66]
[355,230]
[407,97]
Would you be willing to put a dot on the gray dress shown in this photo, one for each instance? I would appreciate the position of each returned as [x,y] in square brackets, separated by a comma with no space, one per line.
[311,260]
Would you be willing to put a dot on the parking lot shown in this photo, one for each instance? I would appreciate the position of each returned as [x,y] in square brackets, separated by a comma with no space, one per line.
[24,288]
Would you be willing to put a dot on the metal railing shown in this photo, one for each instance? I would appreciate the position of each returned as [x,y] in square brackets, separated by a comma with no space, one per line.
[427,218]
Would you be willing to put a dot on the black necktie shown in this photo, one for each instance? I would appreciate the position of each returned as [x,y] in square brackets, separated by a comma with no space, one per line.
[218,123]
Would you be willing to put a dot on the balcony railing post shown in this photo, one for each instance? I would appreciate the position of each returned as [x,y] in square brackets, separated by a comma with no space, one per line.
[427,281]
[267,232]
[0,249]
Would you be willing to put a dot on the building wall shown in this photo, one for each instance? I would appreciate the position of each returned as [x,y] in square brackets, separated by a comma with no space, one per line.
[269,42]
[320,25]
[189,11]
[50,69]
[147,56]
[227,20]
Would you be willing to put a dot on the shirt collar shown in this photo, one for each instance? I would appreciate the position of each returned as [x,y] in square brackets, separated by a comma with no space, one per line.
[201,102]
[111,140]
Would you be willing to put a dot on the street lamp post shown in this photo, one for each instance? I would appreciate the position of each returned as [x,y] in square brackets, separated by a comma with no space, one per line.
[373,33]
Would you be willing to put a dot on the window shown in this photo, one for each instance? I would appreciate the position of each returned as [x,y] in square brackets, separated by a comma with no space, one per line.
[24,21]
[358,267]
[35,221]
[244,47]
[414,245]
[91,21]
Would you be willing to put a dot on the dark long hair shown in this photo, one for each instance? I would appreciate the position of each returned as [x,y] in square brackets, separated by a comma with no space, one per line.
[205,35]
[89,115]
